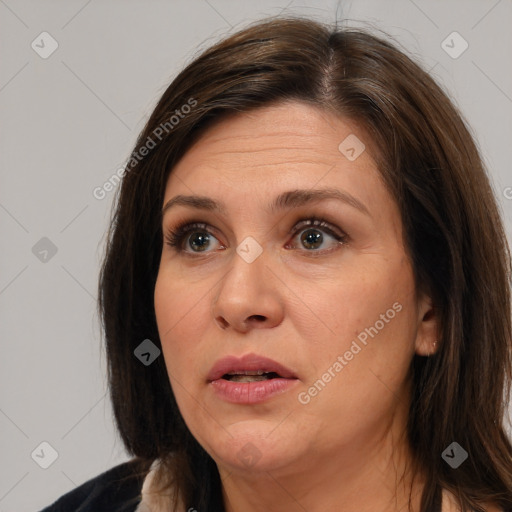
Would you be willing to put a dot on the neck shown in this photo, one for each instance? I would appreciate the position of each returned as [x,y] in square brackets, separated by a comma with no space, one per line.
[362,476]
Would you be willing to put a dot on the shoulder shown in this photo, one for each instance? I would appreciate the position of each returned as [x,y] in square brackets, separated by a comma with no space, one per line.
[116,490]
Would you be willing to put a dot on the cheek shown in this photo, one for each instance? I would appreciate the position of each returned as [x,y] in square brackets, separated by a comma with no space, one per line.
[353,386]
[366,316]
[353,299]
[180,311]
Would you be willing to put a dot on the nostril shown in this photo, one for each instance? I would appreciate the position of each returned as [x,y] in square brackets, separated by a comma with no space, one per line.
[222,322]
[257,317]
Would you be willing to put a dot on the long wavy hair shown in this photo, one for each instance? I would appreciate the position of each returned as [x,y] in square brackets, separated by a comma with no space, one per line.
[453,233]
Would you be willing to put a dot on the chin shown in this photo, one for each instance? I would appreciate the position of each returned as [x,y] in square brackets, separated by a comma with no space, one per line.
[253,447]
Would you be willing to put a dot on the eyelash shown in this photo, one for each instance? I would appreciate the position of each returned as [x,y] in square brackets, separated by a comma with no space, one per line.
[174,237]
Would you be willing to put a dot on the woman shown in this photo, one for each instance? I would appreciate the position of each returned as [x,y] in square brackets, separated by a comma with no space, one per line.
[305,292]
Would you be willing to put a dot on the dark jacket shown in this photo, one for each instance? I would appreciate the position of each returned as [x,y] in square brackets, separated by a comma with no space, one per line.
[115,490]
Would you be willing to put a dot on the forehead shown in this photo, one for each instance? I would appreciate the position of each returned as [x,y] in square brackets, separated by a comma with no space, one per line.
[277,148]
[285,132]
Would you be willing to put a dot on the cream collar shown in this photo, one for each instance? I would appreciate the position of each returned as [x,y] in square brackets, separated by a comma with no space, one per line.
[153,501]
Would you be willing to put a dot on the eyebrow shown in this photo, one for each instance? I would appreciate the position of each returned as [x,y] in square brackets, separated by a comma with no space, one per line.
[286,200]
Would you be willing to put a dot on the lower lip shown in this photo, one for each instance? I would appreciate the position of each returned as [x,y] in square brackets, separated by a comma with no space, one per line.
[251,392]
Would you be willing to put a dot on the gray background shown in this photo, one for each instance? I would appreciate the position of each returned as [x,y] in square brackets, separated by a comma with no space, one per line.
[69,122]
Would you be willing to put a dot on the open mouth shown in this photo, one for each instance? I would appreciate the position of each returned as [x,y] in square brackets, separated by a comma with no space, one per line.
[250,379]
[250,376]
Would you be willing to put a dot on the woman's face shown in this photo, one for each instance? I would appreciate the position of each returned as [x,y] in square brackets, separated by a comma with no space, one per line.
[333,304]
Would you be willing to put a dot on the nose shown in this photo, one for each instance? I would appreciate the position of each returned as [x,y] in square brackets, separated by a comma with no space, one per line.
[248,296]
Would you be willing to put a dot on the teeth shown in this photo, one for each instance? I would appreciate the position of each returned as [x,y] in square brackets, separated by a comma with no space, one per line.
[248,377]
[259,372]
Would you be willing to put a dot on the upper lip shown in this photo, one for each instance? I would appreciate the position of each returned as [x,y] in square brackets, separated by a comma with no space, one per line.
[248,362]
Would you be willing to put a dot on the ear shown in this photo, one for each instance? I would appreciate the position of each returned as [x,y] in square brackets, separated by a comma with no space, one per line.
[428,333]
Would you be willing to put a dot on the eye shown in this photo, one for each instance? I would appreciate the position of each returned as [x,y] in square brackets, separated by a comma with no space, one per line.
[198,236]
[313,237]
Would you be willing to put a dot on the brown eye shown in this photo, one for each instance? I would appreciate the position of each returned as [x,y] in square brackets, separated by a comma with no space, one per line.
[199,240]
[313,236]
[311,239]
[196,235]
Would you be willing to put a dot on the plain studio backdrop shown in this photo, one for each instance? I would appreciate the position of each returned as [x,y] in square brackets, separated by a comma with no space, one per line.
[77,82]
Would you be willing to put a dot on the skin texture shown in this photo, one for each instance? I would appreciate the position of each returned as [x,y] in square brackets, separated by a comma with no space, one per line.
[298,305]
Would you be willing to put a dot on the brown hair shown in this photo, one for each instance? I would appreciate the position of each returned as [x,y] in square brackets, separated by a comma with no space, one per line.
[453,232]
